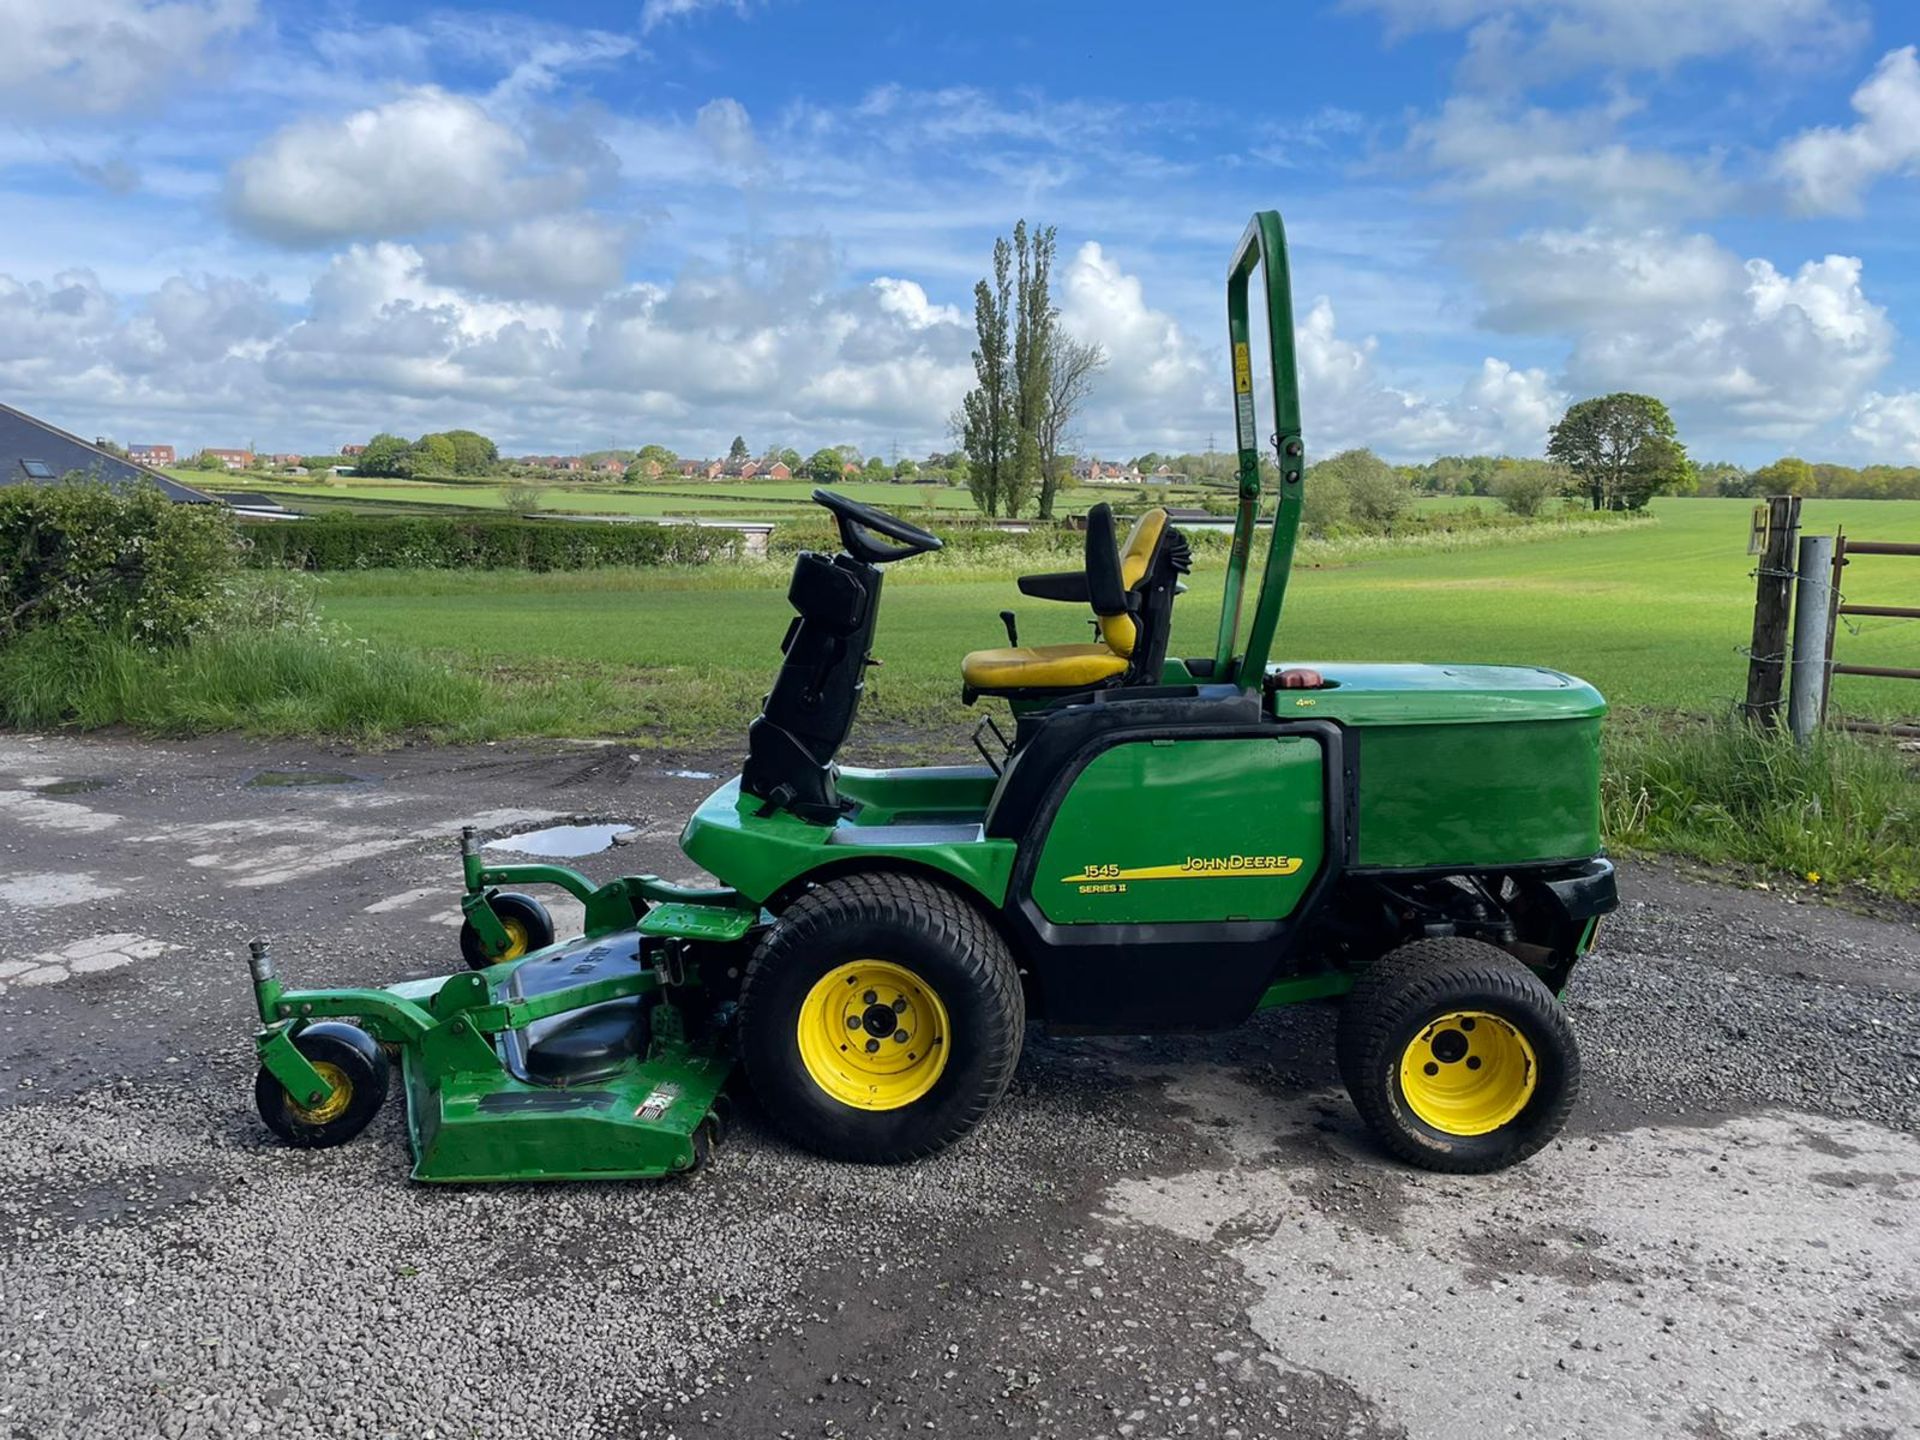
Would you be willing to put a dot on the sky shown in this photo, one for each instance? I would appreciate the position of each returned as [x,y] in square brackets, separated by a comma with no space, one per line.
[585,225]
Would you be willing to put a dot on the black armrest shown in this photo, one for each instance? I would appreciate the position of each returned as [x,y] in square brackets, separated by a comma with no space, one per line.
[1065,585]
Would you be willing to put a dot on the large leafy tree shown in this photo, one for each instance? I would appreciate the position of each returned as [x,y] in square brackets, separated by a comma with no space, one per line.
[1622,449]
[1377,495]
[473,453]
[385,455]
[1034,323]
[826,466]
[738,450]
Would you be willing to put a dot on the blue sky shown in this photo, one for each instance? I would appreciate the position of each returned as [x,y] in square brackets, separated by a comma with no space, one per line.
[671,221]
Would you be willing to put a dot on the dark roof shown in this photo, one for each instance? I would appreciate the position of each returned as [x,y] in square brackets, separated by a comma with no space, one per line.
[24,439]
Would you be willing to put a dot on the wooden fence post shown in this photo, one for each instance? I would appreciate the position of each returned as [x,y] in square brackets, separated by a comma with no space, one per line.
[1772,607]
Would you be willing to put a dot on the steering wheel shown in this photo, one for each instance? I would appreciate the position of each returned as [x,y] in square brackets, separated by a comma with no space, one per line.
[856,521]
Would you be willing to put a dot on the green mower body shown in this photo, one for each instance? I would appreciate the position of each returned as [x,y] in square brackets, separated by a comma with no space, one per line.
[1164,843]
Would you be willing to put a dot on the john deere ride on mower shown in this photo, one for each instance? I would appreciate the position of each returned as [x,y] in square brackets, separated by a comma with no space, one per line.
[1165,843]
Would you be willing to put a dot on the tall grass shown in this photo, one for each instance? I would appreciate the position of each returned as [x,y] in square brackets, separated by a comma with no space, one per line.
[278,683]
[1844,810]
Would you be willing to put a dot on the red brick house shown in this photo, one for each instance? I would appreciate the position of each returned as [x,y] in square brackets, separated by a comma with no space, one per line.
[151,454]
[232,459]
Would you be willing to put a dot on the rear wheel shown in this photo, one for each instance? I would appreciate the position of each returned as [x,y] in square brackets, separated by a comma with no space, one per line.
[356,1071]
[880,1019]
[528,925]
[1457,1056]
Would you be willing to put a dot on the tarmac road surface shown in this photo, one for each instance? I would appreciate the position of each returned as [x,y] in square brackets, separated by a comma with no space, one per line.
[1186,1236]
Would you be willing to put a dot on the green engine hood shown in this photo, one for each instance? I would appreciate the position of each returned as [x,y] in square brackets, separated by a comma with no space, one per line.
[1359,694]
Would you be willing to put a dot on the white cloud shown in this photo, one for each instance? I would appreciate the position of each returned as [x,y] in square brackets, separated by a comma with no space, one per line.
[659,12]
[1347,403]
[572,257]
[1513,43]
[1830,169]
[727,130]
[1888,427]
[1491,151]
[425,159]
[103,56]
[1738,346]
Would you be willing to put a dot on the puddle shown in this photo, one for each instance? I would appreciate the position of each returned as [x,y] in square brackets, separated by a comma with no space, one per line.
[561,841]
[287,779]
[71,787]
[690,774]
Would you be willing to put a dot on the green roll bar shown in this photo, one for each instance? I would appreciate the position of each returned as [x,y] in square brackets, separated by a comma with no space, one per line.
[1263,247]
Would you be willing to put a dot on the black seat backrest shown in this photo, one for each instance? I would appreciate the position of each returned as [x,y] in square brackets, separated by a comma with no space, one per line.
[809,712]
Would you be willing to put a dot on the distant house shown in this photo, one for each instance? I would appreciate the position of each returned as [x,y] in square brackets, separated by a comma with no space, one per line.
[775,470]
[151,454]
[288,459]
[232,459]
[346,450]
[33,452]
[611,467]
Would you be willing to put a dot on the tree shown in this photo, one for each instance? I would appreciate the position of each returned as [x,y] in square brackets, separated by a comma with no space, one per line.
[876,469]
[1376,495]
[385,455]
[1071,366]
[1789,475]
[1034,323]
[1622,449]
[522,498]
[790,458]
[824,466]
[433,455]
[987,414]
[473,453]
[738,450]
[1325,504]
[1525,486]
[904,470]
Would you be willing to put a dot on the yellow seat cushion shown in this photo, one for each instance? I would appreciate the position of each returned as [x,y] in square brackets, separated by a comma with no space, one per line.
[1041,667]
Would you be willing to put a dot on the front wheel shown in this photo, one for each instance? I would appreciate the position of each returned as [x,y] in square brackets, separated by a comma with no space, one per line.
[356,1071]
[528,925]
[1457,1056]
[880,1019]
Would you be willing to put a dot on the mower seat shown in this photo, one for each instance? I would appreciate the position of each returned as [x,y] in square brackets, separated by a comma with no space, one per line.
[1131,592]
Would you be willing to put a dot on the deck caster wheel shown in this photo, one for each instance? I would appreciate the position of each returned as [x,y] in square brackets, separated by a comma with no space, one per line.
[352,1063]
[880,1019]
[706,1139]
[528,925]
[1457,1056]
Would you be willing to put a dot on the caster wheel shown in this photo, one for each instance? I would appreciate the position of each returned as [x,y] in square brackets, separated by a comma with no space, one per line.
[706,1140]
[352,1063]
[528,925]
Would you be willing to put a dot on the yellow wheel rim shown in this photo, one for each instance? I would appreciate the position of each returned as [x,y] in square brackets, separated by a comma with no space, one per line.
[516,939]
[873,1035]
[335,1105]
[1468,1073]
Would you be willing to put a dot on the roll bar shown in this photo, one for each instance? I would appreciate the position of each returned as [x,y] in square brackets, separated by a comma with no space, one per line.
[1263,247]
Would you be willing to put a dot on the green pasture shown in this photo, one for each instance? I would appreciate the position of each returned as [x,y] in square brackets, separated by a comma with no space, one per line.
[1656,616]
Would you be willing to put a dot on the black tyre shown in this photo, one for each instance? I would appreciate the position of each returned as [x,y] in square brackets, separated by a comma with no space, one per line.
[529,928]
[353,1064]
[1457,1056]
[880,1019]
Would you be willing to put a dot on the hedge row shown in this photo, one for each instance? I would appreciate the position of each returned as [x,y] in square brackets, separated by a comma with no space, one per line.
[370,542]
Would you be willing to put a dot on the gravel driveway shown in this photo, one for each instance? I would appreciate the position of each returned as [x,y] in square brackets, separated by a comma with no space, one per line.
[1150,1238]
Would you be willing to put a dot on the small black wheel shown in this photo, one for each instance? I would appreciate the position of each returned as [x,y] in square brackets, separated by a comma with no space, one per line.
[1457,1056]
[528,925]
[706,1140]
[355,1067]
[880,1018]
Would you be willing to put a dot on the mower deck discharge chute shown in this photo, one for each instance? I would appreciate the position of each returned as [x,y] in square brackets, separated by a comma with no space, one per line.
[1164,843]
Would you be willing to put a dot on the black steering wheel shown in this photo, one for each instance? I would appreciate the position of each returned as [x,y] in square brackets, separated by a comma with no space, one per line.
[857,520]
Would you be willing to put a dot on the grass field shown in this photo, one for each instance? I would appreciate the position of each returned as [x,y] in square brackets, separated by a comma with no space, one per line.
[1656,616]
[735,500]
